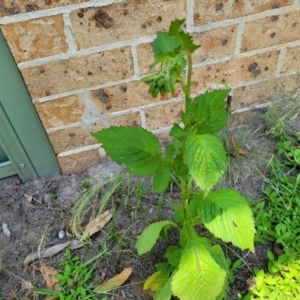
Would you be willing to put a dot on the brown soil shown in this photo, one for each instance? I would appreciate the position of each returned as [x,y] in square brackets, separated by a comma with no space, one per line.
[38,223]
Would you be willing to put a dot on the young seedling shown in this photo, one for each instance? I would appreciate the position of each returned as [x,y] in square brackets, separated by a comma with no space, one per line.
[197,267]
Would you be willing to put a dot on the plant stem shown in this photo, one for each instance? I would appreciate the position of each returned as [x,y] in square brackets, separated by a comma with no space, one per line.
[185,197]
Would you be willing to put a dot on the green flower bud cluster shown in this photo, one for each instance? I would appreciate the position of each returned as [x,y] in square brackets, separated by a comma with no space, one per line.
[163,82]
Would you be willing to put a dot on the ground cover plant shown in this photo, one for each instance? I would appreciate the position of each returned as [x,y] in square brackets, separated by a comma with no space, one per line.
[277,217]
[196,268]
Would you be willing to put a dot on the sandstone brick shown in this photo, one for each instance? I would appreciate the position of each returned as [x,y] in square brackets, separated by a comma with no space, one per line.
[253,117]
[123,21]
[207,11]
[163,115]
[263,92]
[71,138]
[164,138]
[8,7]
[235,71]
[120,97]
[36,38]
[78,72]
[130,119]
[78,162]
[145,59]
[275,30]
[291,62]
[215,43]
[58,112]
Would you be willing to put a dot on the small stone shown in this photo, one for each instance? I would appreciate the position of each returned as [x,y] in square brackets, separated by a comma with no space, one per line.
[61,234]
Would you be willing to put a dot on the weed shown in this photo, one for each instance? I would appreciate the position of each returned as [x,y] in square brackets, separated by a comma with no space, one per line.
[197,157]
[277,219]
[75,280]
[281,281]
[85,185]
[281,113]
[90,200]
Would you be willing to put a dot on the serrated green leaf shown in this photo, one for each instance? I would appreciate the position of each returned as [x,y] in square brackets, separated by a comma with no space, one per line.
[150,235]
[170,151]
[173,255]
[137,148]
[161,179]
[164,267]
[227,215]
[178,132]
[199,276]
[206,159]
[185,40]
[164,44]
[207,112]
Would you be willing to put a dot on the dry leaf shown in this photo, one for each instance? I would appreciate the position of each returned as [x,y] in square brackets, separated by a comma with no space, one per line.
[28,198]
[239,150]
[48,273]
[29,204]
[74,244]
[114,282]
[97,224]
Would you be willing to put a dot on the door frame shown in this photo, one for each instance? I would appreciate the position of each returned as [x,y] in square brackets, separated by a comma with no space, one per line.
[24,138]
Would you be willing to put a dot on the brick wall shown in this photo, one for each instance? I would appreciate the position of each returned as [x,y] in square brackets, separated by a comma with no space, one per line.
[81,60]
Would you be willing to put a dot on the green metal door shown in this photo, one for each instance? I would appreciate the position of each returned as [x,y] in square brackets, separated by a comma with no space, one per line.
[24,146]
[6,167]
[3,156]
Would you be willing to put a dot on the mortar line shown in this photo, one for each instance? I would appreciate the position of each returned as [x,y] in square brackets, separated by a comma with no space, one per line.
[96,87]
[54,11]
[189,15]
[104,118]
[280,62]
[143,118]
[141,40]
[247,54]
[239,38]
[79,150]
[73,125]
[69,33]
[135,61]
[84,52]
[250,108]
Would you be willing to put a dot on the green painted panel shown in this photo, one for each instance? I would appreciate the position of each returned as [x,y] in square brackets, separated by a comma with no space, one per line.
[21,113]
[7,169]
[14,150]
[3,156]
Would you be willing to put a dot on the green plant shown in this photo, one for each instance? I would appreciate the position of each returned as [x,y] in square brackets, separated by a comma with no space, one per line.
[277,219]
[282,113]
[75,280]
[197,267]
[282,281]
[85,185]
